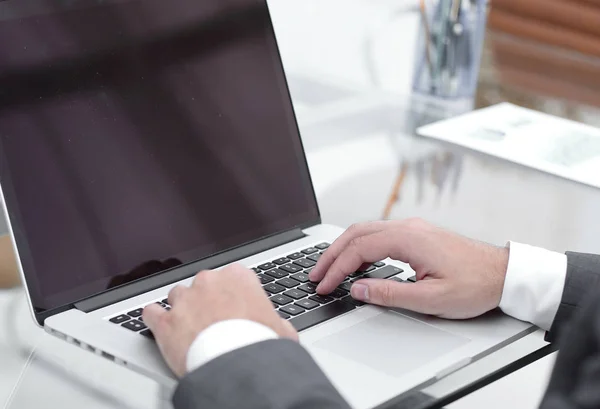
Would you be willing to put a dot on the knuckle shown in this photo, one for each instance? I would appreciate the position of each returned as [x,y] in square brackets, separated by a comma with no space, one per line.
[163,320]
[238,269]
[247,275]
[357,241]
[201,276]
[354,227]
[239,272]
[174,290]
[386,294]
[415,223]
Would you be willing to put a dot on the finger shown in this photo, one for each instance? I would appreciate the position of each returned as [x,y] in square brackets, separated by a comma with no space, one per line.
[152,315]
[340,244]
[175,294]
[362,249]
[289,331]
[156,318]
[422,296]
[202,276]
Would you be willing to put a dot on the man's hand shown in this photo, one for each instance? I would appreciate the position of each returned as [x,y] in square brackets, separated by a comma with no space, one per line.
[231,293]
[456,277]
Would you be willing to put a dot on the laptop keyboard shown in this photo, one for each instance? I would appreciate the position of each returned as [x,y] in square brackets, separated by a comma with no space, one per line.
[294,297]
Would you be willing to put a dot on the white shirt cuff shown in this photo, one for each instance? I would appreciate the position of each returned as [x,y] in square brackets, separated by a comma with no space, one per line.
[534,284]
[223,337]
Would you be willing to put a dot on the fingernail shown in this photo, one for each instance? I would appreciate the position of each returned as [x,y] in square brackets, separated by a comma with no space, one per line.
[312,274]
[360,292]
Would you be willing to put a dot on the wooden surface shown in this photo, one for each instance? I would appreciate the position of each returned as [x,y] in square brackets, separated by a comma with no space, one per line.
[9,276]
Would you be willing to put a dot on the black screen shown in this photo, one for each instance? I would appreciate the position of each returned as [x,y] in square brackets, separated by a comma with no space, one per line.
[139,135]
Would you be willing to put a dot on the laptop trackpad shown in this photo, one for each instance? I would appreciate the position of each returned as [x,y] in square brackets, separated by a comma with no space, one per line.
[391,343]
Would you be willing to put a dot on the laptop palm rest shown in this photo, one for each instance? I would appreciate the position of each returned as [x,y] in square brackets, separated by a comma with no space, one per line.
[391,343]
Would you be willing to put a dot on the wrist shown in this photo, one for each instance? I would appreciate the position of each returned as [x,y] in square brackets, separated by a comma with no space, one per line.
[223,337]
[533,284]
[500,258]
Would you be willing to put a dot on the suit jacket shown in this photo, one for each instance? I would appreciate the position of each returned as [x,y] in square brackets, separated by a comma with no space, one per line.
[280,374]
[575,381]
[267,375]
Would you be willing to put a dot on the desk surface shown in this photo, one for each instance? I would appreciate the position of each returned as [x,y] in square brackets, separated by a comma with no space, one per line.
[351,91]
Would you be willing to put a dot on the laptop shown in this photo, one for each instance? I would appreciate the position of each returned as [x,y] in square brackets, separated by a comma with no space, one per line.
[142,141]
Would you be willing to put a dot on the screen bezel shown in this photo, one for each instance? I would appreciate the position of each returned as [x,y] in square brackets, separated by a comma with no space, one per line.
[21,247]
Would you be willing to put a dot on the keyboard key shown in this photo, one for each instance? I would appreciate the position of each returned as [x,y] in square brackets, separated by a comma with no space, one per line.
[265,279]
[310,250]
[136,313]
[321,314]
[308,270]
[291,268]
[168,308]
[367,269]
[304,263]
[352,301]
[277,273]
[307,304]
[412,279]
[267,266]
[256,270]
[295,294]
[310,288]
[134,325]
[281,299]
[292,309]
[283,315]
[165,301]
[148,334]
[302,277]
[322,246]
[281,261]
[337,293]
[273,288]
[345,286]
[314,257]
[398,279]
[295,256]
[288,282]
[379,264]
[120,318]
[321,299]
[385,272]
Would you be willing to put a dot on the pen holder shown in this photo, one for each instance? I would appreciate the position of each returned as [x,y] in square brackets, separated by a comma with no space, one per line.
[449,48]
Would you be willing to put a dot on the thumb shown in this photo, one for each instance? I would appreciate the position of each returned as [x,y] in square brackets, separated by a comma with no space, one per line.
[289,331]
[418,297]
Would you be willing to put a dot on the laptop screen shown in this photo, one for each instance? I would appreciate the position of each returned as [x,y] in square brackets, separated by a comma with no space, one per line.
[138,135]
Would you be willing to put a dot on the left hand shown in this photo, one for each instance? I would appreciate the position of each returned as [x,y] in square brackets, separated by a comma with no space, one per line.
[231,293]
[458,277]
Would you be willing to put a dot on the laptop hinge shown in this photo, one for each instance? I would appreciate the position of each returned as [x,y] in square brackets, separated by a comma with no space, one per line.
[148,284]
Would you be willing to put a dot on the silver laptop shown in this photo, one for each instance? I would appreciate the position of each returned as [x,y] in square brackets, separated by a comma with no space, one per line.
[145,140]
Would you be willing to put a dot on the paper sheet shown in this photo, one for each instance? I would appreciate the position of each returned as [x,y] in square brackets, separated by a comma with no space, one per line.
[558,146]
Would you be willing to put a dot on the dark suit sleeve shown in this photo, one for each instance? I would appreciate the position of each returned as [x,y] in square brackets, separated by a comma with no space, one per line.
[583,278]
[575,380]
[271,374]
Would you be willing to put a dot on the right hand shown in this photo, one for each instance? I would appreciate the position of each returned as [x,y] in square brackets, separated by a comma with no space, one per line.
[457,277]
[231,293]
